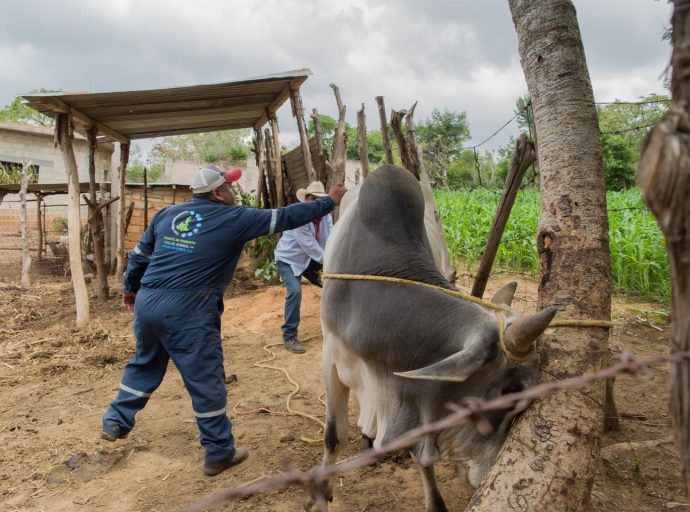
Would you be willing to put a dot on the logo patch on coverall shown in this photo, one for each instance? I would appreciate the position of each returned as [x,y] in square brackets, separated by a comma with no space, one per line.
[185,225]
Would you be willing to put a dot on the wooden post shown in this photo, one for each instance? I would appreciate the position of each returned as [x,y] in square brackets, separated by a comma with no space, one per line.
[384,130]
[128,217]
[412,143]
[270,169]
[396,125]
[665,181]
[121,262]
[280,193]
[26,249]
[96,223]
[74,221]
[39,225]
[107,249]
[259,152]
[321,174]
[339,144]
[298,112]
[146,198]
[363,145]
[522,159]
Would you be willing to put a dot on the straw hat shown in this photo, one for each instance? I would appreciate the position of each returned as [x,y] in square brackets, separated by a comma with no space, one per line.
[315,188]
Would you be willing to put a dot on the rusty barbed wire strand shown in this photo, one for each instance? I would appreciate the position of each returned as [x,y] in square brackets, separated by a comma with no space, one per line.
[469,410]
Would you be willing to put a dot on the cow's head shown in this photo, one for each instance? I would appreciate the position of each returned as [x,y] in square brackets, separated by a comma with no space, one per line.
[495,361]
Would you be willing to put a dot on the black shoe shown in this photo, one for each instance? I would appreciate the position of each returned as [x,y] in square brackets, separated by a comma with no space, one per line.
[294,346]
[214,468]
[113,434]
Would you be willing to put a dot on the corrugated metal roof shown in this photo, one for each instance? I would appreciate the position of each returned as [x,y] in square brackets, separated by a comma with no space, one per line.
[246,103]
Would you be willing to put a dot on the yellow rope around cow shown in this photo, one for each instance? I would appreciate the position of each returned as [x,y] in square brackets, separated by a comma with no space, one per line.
[554,323]
[261,364]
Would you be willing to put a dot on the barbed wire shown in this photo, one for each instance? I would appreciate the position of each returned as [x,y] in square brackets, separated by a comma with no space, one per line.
[470,410]
[634,128]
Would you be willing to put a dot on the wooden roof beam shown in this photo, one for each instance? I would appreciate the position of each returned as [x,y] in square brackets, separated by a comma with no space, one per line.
[271,110]
[61,107]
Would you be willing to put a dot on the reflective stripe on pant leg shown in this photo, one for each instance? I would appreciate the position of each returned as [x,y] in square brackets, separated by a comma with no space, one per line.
[144,372]
[194,344]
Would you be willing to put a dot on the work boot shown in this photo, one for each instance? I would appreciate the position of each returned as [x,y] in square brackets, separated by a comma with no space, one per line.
[113,434]
[214,468]
[294,346]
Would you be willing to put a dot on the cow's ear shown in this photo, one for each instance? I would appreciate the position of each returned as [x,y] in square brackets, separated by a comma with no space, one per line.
[455,368]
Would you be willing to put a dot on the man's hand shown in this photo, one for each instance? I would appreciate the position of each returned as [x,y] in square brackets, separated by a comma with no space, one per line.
[337,192]
[128,300]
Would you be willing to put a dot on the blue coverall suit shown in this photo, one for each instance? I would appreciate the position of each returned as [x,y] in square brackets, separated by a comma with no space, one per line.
[180,270]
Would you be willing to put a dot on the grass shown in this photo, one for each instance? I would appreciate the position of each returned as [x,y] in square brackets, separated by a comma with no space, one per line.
[638,254]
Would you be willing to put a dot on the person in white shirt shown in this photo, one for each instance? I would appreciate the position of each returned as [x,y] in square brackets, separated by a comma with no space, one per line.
[300,254]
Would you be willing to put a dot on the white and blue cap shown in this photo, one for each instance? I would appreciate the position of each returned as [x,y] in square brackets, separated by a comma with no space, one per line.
[210,177]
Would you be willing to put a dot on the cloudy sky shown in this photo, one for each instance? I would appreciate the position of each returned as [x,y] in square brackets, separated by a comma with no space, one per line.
[455,54]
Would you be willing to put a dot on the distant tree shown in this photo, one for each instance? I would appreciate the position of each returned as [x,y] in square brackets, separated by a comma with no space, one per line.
[447,130]
[327,124]
[375,150]
[229,147]
[619,168]
[137,163]
[18,112]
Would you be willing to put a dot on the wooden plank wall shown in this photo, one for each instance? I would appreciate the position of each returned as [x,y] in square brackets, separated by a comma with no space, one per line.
[293,165]
[158,198]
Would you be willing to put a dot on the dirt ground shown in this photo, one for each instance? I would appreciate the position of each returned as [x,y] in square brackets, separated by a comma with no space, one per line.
[56,382]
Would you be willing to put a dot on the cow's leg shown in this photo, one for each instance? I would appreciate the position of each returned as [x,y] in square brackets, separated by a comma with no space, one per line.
[367,442]
[335,436]
[433,501]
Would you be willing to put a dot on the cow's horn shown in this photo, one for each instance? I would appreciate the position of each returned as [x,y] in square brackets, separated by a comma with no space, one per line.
[504,296]
[520,335]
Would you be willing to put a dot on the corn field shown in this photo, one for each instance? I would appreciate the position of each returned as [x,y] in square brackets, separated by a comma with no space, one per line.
[638,253]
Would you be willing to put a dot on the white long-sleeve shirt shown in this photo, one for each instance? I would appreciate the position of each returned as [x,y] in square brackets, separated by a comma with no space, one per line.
[297,246]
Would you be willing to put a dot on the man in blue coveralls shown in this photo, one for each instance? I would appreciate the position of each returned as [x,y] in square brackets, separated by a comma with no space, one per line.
[178,274]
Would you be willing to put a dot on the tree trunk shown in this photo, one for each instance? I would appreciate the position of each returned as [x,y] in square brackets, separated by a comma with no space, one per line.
[323,173]
[261,185]
[121,262]
[550,458]
[664,172]
[363,145]
[522,159]
[26,249]
[298,113]
[384,130]
[74,221]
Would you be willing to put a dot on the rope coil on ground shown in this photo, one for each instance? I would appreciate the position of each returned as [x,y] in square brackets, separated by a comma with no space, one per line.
[291,411]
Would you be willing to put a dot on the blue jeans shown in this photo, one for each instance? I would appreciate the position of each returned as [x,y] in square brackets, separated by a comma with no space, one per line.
[293,301]
[182,325]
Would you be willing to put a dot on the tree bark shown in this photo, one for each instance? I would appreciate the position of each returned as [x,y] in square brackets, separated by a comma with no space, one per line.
[550,458]
[664,172]
[121,261]
[396,125]
[384,130]
[74,221]
[363,145]
[522,159]
[298,113]
[259,152]
[321,174]
[26,249]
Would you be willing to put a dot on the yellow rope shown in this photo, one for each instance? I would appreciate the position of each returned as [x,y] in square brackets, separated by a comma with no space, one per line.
[554,323]
[261,364]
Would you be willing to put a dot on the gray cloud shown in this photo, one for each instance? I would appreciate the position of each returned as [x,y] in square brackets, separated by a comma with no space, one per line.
[452,54]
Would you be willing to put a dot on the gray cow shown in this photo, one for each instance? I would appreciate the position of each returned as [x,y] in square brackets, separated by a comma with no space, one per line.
[406,351]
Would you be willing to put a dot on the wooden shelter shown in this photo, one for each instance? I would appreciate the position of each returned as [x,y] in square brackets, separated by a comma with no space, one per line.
[129,115]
